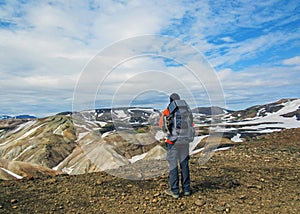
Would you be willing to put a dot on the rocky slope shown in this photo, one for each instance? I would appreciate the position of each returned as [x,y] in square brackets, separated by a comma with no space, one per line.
[40,141]
[24,170]
[262,110]
[68,145]
[258,176]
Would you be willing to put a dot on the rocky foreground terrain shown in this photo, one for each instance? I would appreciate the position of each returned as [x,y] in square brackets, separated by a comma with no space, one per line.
[261,175]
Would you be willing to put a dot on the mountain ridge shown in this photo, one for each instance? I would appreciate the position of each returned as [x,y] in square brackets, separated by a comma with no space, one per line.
[206,110]
[72,143]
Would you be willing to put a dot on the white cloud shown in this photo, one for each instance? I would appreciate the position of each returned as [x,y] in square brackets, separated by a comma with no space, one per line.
[250,48]
[268,83]
[257,27]
[227,39]
[144,72]
[292,61]
[48,44]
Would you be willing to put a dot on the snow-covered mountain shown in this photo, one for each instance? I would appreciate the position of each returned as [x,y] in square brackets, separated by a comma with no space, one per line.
[283,114]
[209,111]
[104,139]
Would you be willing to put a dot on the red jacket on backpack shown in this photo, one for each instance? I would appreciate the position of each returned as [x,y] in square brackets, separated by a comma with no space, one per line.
[164,114]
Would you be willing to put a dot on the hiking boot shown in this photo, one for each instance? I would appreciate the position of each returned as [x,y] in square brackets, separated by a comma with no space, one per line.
[170,193]
[187,193]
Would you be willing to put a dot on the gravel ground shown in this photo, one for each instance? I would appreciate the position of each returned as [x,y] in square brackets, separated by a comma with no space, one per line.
[258,176]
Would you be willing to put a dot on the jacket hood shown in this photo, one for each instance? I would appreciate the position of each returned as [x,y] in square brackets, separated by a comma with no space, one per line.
[174,96]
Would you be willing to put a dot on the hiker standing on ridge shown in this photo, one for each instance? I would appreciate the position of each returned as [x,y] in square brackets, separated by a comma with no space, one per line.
[177,121]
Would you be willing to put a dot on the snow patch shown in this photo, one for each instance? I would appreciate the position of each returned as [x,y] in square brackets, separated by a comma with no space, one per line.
[23,126]
[105,134]
[29,147]
[68,170]
[137,157]
[30,132]
[120,113]
[56,131]
[237,138]
[222,149]
[81,135]
[196,151]
[11,173]
[196,141]
[101,123]
[82,126]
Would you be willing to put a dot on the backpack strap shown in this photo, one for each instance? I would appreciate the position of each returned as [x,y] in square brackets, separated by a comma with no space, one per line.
[177,104]
[172,107]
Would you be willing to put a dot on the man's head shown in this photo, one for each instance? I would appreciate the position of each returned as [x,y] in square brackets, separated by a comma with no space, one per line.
[173,97]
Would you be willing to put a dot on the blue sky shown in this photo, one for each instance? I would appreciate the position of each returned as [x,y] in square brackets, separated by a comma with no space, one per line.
[253,46]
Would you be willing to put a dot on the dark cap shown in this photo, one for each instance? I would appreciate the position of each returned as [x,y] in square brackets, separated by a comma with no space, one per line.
[174,96]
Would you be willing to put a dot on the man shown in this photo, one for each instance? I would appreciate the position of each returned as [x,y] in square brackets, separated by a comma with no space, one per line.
[177,144]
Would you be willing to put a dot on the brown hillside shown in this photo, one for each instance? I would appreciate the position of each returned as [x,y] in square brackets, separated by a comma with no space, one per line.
[258,176]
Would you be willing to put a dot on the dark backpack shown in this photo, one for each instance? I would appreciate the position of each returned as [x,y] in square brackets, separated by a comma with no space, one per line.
[180,121]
